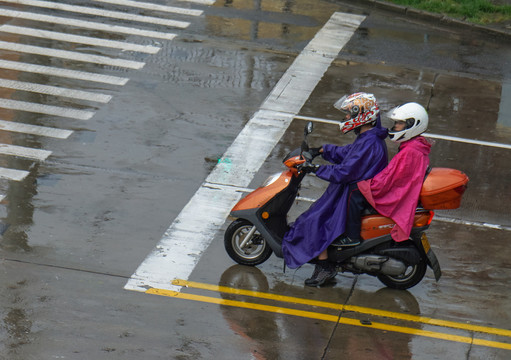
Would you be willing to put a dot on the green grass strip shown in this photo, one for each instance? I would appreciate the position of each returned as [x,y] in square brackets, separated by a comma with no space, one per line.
[476,11]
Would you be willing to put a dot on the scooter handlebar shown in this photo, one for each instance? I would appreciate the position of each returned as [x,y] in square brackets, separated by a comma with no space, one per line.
[307,156]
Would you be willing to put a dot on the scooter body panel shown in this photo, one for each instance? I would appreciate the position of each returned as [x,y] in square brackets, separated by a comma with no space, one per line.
[270,216]
[374,226]
[262,195]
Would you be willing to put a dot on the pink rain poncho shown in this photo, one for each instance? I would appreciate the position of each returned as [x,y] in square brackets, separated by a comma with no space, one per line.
[394,192]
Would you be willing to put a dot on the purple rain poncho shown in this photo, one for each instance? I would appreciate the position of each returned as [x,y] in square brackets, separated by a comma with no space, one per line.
[315,229]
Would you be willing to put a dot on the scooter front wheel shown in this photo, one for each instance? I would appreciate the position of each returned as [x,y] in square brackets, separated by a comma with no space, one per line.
[253,251]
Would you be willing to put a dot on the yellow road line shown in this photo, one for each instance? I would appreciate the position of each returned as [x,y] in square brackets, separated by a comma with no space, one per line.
[358,309]
[331,318]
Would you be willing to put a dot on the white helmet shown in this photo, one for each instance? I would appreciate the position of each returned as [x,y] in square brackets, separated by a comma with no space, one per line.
[415,117]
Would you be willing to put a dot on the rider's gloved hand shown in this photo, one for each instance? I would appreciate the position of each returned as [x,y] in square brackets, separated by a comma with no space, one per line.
[308,168]
[315,152]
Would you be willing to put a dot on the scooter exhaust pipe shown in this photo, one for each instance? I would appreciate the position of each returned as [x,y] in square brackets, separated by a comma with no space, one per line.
[378,264]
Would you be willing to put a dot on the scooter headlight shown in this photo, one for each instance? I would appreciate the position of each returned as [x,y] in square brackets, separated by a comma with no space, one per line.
[271,179]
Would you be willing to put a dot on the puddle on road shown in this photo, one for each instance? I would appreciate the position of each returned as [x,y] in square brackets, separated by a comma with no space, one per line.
[274,23]
[262,330]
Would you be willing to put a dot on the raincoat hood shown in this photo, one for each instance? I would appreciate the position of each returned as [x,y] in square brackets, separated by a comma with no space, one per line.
[418,143]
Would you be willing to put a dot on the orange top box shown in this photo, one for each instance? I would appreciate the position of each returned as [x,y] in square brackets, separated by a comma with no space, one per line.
[443,189]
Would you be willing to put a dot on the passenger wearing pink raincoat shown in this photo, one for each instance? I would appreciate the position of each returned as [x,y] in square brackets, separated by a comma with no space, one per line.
[395,191]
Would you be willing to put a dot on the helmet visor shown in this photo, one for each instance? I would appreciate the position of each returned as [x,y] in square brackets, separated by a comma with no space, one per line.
[347,107]
[338,103]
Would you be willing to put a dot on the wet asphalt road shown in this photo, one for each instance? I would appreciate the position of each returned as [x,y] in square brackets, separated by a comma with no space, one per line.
[77,227]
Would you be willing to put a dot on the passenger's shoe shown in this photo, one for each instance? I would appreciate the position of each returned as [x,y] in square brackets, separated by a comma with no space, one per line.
[345,242]
[323,272]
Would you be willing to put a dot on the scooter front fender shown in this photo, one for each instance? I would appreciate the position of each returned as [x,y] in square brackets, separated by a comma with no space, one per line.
[273,241]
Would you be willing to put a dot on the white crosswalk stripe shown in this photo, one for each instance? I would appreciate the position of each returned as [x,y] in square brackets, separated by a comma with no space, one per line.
[103,13]
[87,24]
[46,109]
[126,46]
[34,129]
[13,174]
[30,45]
[54,90]
[70,55]
[25,152]
[66,73]
[153,6]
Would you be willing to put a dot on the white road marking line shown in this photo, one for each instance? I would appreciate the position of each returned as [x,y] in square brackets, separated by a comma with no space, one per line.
[66,73]
[54,90]
[35,154]
[13,174]
[190,234]
[87,24]
[45,109]
[437,217]
[434,136]
[468,141]
[204,2]
[315,119]
[125,46]
[34,129]
[153,6]
[70,55]
[505,103]
[471,223]
[100,12]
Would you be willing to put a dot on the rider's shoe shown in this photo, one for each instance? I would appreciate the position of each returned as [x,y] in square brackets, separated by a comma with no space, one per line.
[324,271]
[345,242]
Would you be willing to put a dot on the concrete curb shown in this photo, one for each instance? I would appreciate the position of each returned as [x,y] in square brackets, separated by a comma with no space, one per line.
[434,17]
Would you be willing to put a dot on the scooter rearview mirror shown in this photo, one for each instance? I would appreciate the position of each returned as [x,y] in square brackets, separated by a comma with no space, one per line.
[308,128]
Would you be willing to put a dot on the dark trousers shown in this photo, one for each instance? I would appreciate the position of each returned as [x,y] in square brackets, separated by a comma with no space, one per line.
[357,203]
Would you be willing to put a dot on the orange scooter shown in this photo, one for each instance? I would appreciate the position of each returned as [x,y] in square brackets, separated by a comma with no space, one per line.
[262,222]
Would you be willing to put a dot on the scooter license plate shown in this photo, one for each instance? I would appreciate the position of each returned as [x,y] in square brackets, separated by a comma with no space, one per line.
[425,243]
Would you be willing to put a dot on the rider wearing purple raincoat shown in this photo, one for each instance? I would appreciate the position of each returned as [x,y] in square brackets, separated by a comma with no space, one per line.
[314,230]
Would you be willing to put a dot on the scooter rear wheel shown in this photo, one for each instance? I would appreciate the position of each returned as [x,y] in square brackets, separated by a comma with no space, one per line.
[255,252]
[412,276]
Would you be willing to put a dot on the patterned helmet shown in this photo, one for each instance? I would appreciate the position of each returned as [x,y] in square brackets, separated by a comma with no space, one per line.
[360,109]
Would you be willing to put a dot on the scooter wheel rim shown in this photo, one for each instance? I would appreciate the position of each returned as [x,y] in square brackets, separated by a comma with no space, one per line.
[251,250]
